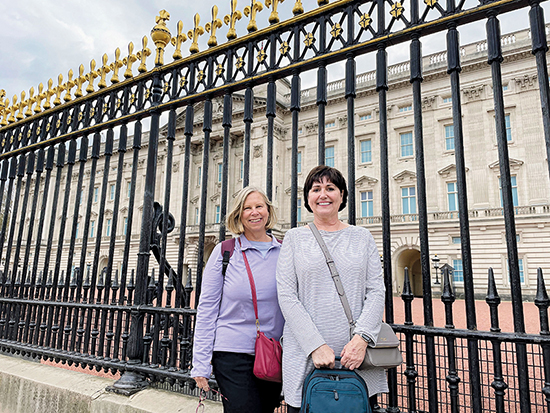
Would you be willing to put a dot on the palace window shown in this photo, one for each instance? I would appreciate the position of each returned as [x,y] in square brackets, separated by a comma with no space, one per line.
[217,219]
[299,169]
[125,228]
[366,153]
[329,156]
[112,192]
[366,117]
[220,172]
[405,108]
[520,264]
[96,194]
[129,189]
[77,228]
[508,128]
[199,176]
[452,196]
[108,228]
[92,229]
[458,272]
[449,137]
[406,144]
[513,181]
[299,210]
[448,100]
[408,198]
[366,204]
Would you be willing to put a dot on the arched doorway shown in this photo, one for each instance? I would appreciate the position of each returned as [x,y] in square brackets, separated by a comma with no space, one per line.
[409,258]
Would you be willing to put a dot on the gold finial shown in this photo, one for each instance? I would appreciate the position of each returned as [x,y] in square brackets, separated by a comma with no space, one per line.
[142,55]
[129,60]
[48,94]
[195,33]
[13,108]
[68,86]
[22,106]
[274,16]
[32,99]
[58,90]
[298,8]
[4,108]
[211,27]
[103,70]
[178,40]
[39,96]
[252,10]
[117,64]
[322,2]
[231,20]
[161,36]
[79,81]
[91,76]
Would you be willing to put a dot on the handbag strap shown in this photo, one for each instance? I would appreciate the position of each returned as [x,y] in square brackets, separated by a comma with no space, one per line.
[252,288]
[335,277]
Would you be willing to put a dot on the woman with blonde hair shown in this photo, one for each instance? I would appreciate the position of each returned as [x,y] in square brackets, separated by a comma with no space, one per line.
[225,331]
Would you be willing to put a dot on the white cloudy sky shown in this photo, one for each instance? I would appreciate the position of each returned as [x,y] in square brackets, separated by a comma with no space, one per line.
[39,39]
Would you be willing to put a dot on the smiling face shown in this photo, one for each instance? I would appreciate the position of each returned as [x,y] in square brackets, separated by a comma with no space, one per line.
[254,215]
[324,199]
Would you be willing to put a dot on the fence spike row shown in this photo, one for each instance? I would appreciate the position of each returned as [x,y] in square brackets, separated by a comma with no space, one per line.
[161,36]
[254,8]
[298,8]
[194,34]
[79,81]
[22,106]
[31,101]
[213,26]
[178,40]
[48,93]
[58,90]
[90,77]
[142,55]
[115,66]
[274,16]
[231,20]
[68,86]
[129,60]
[102,71]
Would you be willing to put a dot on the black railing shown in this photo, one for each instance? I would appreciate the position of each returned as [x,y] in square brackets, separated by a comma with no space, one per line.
[75,192]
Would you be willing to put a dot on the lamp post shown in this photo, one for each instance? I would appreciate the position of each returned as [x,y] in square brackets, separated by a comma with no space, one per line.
[435,261]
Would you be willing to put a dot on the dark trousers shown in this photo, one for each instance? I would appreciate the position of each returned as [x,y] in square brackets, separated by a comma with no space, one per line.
[244,391]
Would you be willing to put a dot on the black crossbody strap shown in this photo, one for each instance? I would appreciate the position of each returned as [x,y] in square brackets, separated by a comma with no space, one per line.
[335,277]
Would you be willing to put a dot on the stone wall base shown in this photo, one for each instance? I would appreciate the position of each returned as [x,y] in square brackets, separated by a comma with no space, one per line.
[27,387]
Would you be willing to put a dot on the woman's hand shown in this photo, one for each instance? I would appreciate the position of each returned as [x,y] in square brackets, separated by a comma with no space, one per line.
[323,357]
[202,383]
[353,353]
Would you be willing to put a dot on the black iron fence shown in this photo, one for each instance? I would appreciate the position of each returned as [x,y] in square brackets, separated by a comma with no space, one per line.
[85,201]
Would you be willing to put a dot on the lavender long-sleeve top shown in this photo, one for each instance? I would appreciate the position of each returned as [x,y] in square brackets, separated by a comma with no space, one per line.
[231,324]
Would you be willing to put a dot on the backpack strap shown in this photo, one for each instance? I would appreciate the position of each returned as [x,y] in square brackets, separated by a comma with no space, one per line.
[228,246]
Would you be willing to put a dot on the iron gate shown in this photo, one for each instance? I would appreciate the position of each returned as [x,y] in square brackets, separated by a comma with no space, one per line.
[62,297]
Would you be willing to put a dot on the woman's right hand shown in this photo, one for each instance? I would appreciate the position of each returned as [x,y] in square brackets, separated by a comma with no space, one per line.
[323,357]
[202,383]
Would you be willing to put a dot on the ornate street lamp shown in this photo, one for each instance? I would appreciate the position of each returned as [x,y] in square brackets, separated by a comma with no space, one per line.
[435,261]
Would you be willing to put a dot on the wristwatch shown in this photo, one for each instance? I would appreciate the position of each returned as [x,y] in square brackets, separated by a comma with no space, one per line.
[367,339]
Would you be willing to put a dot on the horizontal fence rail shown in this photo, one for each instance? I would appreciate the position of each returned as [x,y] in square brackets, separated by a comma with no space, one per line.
[112,202]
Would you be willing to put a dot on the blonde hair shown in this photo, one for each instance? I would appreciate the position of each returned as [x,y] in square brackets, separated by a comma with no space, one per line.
[233,221]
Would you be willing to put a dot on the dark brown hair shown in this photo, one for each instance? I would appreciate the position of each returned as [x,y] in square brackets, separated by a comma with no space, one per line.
[333,175]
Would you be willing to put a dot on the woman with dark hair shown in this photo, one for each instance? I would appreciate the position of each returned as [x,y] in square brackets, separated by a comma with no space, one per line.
[316,327]
[225,331]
